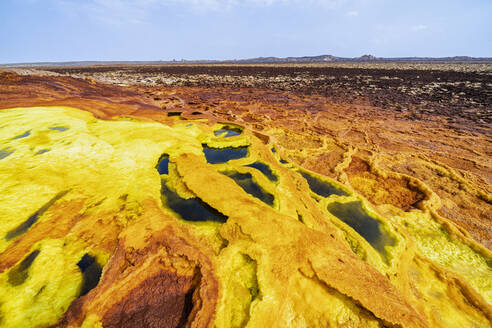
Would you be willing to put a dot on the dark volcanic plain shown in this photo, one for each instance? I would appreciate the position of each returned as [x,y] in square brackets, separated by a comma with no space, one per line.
[461,92]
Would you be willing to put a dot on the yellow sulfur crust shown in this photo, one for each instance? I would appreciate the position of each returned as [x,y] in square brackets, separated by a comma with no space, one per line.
[90,187]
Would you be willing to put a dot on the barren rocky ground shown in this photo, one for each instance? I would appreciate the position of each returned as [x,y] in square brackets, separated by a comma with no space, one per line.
[459,92]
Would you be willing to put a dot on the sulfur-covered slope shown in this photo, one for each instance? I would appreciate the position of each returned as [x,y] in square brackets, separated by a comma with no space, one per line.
[129,222]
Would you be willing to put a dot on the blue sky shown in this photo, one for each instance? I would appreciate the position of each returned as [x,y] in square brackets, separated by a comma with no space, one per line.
[65,30]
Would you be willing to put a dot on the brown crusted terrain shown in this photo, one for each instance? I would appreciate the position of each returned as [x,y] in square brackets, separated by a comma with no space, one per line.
[459,92]
[403,151]
[387,190]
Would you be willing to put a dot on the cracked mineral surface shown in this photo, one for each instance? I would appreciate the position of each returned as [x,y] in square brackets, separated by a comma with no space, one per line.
[148,206]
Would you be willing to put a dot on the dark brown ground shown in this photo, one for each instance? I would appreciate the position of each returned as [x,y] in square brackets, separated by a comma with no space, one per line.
[462,94]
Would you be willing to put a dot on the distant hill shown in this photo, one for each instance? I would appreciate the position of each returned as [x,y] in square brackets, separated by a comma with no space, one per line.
[364,58]
[260,60]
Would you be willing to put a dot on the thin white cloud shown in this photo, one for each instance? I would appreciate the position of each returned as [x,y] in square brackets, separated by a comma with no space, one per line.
[111,12]
[419,27]
[229,3]
[123,12]
[352,14]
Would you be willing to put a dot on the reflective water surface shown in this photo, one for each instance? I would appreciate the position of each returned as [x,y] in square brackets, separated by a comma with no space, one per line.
[369,228]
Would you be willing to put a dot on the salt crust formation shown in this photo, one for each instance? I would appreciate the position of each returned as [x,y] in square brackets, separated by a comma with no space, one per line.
[132,220]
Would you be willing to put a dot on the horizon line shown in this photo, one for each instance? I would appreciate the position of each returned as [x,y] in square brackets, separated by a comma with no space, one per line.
[363,58]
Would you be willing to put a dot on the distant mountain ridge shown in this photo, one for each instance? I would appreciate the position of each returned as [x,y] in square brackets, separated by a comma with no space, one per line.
[260,60]
[364,58]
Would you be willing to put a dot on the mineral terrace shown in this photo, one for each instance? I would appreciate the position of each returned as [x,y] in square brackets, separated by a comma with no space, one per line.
[246,196]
